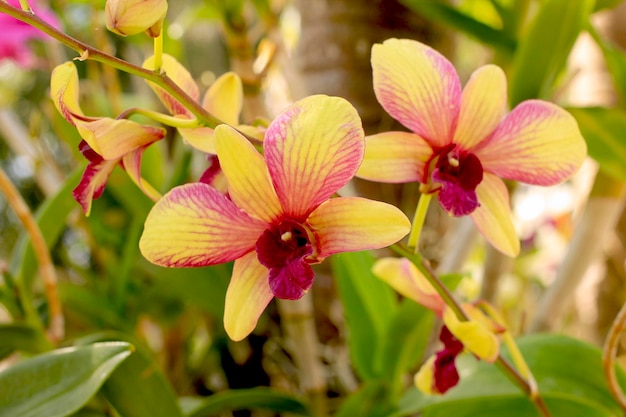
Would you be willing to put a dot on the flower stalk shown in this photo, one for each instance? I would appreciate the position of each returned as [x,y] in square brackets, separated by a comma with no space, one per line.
[418,220]
[165,119]
[609,352]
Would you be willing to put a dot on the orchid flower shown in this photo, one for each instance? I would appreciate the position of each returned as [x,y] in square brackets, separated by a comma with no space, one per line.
[477,335]
[279,217]
[223,99]
[106,141]
[16,33]
[462,143]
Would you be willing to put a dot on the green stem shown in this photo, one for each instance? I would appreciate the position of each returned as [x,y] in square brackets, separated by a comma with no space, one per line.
[166,119]
[418,220]
[25,6]
[89,52]
[158,53]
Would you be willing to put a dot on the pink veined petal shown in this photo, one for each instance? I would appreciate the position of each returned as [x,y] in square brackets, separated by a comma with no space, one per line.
[249,183]
[483,106]
[132,164]
[292,280]
[405,278]
[181,77]
[394,157]
[92,183]
[224,99]
[247,296]
[493,217]
[312,149]
[418,87]
[113,138]
[195,225]
[201,138]
[538,143]
[352,224]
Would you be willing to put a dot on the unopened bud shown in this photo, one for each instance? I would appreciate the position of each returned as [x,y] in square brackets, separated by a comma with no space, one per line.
[128,17]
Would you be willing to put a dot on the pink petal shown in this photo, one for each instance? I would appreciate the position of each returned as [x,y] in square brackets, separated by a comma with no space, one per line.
[538,143]
[394,157]
[312,149]
[195,225]
[181,77]
[483,106]
[352,224]
[249,183]
[292,280]
[493,217]
[247,296]
[418,87]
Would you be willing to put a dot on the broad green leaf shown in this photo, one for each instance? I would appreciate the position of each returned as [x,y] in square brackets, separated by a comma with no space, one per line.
[615,61]
[259,398]
[604,130]
[58,383]
[369,306]
[370,400]
[23,337]
[405,342]
[569,374]
[543,50]
[441,12]
[138,388]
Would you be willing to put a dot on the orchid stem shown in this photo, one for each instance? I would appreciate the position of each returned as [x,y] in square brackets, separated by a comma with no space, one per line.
[46,267]
[418,220]
[161,118]
[609,352]
[158,53]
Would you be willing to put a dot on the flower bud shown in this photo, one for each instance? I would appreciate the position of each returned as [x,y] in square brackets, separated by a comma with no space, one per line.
[128,17]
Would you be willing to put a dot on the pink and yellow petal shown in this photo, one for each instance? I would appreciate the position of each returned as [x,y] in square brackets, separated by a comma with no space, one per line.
[538,143]
[224,99]
[418,87]
[64,91]
[313,148]
[93,182]
[493,216]
[249,183]
[353,224]
[394,157]
[132,164]
[113,138]
[195,225]
[247,296]
[483,106]
[405,278]
[181,77]
[475,336]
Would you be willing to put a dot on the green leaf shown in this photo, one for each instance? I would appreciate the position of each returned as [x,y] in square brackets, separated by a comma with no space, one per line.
[606,4]
[405,342]
[23,337]
[615,61]
[138,388]
[370,400]
[604,131]
[58,383]
[543,50]
[569,374]
[443,13]
[369,306]
[260,398]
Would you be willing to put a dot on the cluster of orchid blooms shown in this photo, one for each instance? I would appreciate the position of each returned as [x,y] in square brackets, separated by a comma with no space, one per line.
[279,213]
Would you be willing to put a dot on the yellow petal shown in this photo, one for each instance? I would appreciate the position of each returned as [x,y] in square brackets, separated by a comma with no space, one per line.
[249,184]
[181,77]
[424,379]
[474,334]
[224,99]
[64,91]
[247,296]
[493,216]
[405,278]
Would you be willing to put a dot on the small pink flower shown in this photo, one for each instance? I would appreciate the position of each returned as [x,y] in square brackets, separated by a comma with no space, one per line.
[462,141]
